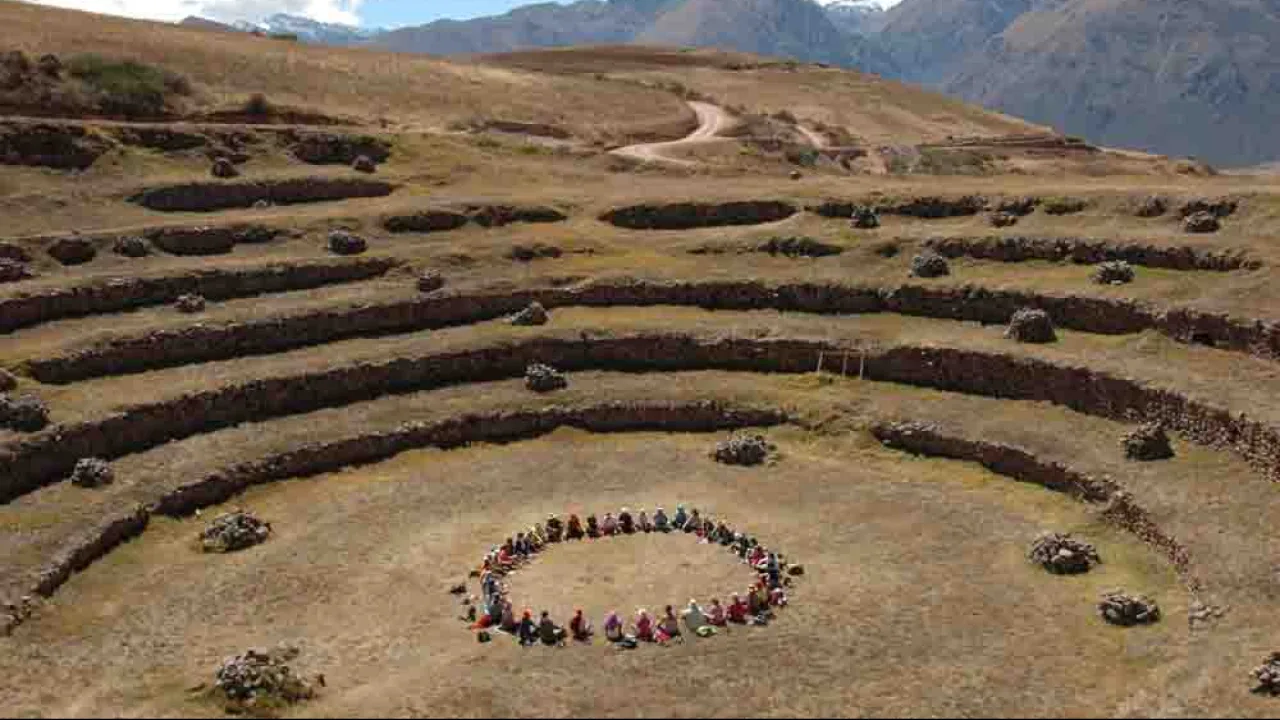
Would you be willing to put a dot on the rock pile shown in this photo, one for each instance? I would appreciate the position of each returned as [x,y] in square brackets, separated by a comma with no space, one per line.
[1152,206]
[1061,554]
[536,251]
[72,251]
[234,531]
[342,242]
[1201,222]
[1267,676]
[1148,442]
[364,164]
[864,218]
[1003,219]
[929,264]
[1114,272]
[13,270]
[800,246]
[743,449]
[224,168]
[261,679]
[1017,206]
[544,378]
[534,314]
[131,246]
[1119,608]
[190,303]
[430,281]
[1031,325]
[25,413]
[92,472]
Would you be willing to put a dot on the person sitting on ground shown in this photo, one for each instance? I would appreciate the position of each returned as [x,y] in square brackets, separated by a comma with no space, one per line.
[774,571]
[508,617]
[724,535]
[668,627]
[716,613]
[580,627]
[609,527]
[778,597]
[740,545]
[642,522]
[521,546]
[626,523]
[613,626]
[506,561]
[574,531]
[694,618]
[593,527]
[680,518]
[555,529]
[756,602]
[738,611]
[644,626]
[548,632]
[537,537]
[694,522]
[756,556]
[527,632]
[660,521]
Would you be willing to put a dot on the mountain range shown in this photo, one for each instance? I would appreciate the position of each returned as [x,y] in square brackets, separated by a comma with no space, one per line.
[1178,77]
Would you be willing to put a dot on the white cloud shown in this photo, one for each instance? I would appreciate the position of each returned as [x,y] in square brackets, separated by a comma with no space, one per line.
[333,11]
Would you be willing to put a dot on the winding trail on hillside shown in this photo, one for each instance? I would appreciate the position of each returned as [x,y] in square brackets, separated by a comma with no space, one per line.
[712,119]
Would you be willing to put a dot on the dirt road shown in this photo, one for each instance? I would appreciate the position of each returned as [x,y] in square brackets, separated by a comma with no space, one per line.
[711,120]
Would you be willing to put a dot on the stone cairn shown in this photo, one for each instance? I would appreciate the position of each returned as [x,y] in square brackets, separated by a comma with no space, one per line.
[342,242]
[1152,206]
[742,449]
[544,378]
[224,168]
[13,270]
[1061,554]
[864,218]
[1113,272]
[364,164]
[533,314]
[1003,219]
[1120,608]
[1031,325]
[262,680]
[190,303]
[430,281]
[234,531]
[1201,222]
[25,413]
[929,264]
[1267,676]
[92,473]
[131,246]
[1148,442]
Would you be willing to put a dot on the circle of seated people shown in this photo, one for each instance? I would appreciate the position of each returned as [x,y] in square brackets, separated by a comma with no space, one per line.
[493,610]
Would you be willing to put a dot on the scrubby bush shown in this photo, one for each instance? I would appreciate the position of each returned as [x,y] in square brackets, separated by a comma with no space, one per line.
[127,87]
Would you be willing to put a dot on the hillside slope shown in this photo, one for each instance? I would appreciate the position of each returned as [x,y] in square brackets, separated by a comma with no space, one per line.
[797,29]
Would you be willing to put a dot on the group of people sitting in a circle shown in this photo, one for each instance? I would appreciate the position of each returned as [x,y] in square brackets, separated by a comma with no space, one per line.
[754,606]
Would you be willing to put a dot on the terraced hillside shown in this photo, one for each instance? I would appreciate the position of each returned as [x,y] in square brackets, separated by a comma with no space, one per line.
[322,334]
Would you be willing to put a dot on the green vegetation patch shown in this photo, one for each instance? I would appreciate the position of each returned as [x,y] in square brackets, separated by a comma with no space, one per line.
[127,87]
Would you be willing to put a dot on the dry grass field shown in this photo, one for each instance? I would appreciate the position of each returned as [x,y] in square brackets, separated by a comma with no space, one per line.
[380,422]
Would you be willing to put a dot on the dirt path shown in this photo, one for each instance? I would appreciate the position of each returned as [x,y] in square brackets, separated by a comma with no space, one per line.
[813,136]
[711,121]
